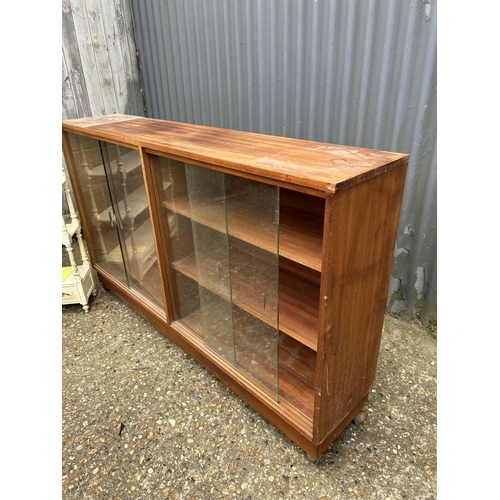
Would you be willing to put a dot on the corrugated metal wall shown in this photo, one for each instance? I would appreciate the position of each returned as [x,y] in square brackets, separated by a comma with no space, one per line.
[100,72]
[359,73]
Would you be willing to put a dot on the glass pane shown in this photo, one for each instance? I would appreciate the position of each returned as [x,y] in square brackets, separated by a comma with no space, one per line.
[177,233]
[124,172]
[197,253]
[253,226]
[212,258]
[221,234]
[101,227]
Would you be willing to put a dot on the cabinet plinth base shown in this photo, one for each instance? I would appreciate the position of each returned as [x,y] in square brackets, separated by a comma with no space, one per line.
[335,432]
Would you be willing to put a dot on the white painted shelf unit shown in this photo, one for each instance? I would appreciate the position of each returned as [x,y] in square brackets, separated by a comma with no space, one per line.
[77,279]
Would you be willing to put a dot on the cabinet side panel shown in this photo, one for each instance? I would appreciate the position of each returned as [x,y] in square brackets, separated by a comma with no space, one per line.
[360,232]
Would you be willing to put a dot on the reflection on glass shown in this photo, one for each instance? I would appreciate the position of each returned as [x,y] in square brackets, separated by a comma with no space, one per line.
[221,235]
[253,214]
[124,173]
[96,199]
[212,259]
[116,207]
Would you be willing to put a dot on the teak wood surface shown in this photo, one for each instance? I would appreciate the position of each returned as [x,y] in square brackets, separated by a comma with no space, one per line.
[318,166]
[340,307]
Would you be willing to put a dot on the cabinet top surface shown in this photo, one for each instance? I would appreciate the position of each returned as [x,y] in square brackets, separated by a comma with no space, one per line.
[318,166]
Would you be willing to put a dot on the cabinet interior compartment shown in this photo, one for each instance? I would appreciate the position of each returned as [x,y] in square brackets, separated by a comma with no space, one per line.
[254,308]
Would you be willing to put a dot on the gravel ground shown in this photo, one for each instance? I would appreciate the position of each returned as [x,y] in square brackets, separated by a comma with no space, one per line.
[142,420]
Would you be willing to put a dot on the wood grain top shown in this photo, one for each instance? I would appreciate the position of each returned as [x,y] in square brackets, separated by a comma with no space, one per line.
[318,166]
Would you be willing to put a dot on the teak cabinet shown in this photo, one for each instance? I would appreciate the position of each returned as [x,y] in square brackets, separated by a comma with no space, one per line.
[267,259]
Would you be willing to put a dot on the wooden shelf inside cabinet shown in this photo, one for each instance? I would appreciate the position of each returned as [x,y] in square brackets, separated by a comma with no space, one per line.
[299,309]
[274,256]
[297,373]
[300,237]
[298,299]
